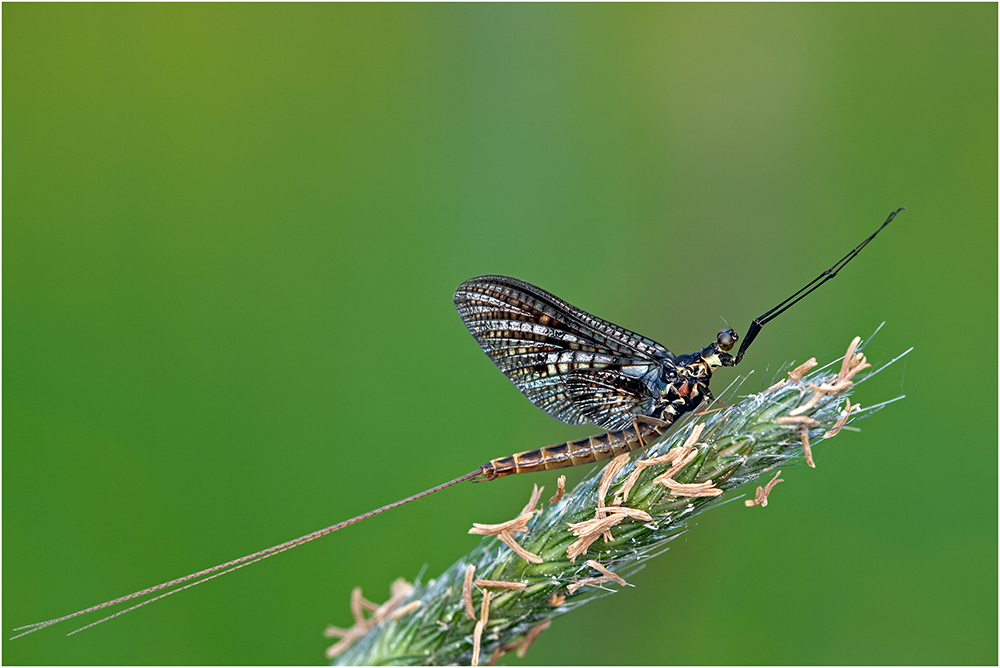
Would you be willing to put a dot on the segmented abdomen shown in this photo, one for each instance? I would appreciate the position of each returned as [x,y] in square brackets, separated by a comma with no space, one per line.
[572,453]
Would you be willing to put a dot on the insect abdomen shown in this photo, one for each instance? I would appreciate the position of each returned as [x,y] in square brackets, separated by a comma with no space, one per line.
[573,453]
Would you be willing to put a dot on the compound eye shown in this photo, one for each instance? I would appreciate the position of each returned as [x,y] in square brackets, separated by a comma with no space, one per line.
[727,339]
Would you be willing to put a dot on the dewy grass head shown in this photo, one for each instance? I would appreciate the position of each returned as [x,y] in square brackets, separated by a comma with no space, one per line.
[586,543]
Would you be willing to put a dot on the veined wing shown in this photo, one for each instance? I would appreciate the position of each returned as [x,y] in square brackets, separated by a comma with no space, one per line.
[575,366]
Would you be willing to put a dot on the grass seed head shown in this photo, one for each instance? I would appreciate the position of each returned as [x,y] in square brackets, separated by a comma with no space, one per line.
[700,462]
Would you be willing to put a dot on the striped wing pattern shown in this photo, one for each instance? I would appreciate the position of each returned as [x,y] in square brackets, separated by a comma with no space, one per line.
[575,366]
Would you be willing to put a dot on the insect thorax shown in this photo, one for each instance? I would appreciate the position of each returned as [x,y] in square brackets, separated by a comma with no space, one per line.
[685,385]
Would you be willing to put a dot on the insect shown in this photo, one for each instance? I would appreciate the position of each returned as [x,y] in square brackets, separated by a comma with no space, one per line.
[573,365]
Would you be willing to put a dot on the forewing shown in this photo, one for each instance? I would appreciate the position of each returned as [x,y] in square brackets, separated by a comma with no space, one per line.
[575,366]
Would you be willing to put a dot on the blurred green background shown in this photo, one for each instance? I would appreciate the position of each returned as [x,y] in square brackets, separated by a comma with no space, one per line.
[231,236]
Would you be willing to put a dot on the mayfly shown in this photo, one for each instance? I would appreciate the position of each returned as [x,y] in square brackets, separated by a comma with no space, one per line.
[576,367]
